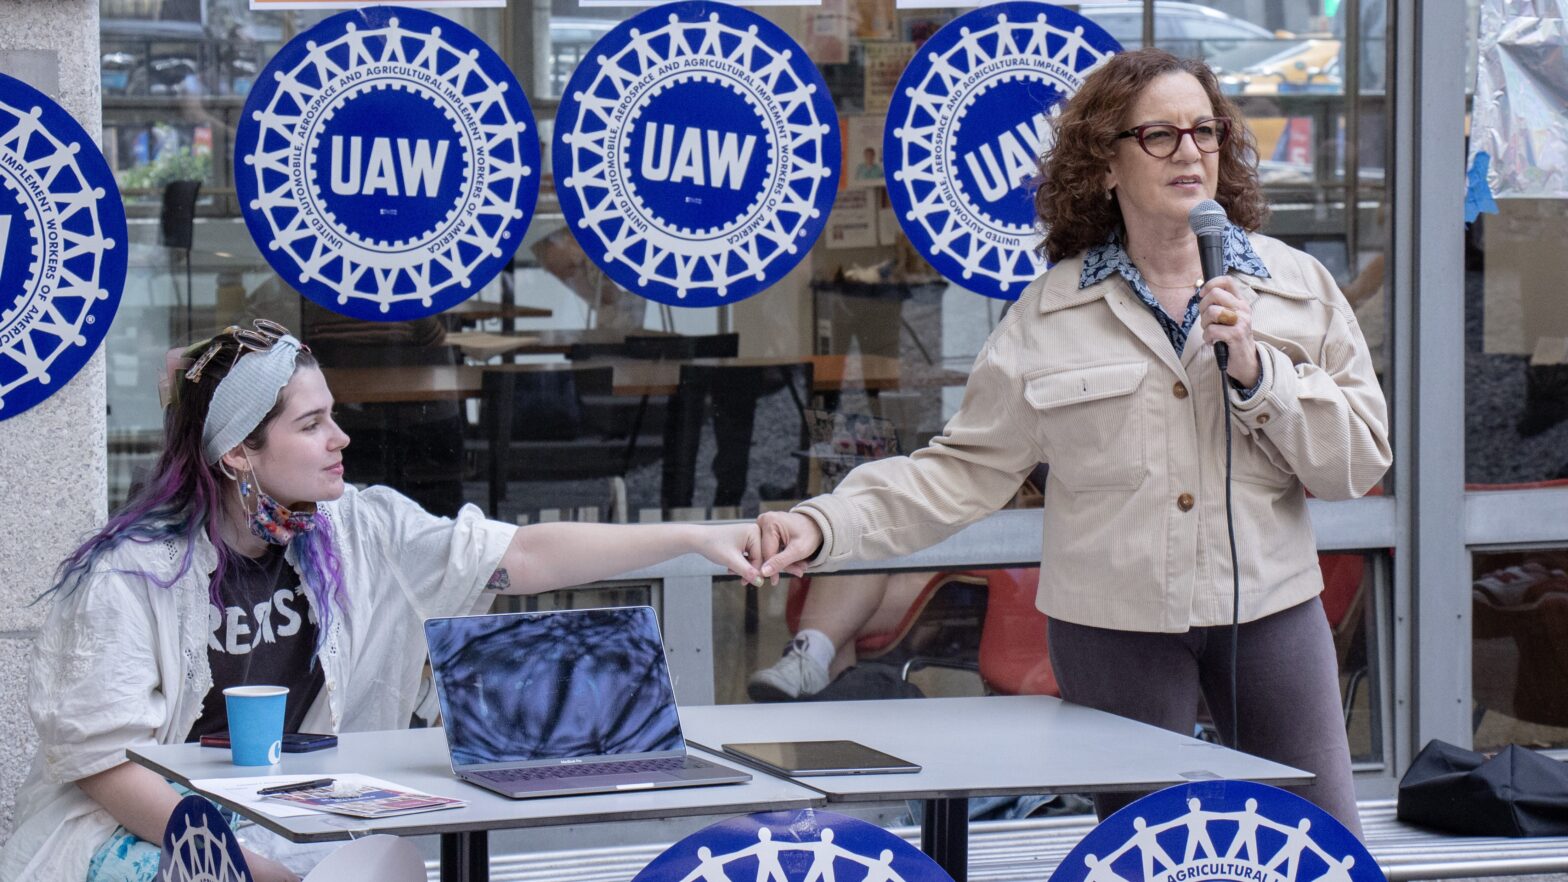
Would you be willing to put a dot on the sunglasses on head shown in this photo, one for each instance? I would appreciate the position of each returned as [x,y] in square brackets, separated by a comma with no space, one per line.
[260,337]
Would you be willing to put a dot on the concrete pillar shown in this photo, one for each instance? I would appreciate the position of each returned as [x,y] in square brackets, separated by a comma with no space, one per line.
[53,485]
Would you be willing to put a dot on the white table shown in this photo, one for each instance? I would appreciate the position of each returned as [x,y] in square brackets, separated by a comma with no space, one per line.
[418,760]
[991,746]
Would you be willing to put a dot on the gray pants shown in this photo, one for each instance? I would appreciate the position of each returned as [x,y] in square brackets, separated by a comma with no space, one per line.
[1288,692]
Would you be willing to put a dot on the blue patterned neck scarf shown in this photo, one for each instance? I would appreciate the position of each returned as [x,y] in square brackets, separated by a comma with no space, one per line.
[1111,257]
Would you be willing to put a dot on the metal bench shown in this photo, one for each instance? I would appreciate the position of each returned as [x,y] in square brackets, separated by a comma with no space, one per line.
[1027,851]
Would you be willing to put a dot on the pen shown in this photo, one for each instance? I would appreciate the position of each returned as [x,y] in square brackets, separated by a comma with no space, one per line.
[297,785]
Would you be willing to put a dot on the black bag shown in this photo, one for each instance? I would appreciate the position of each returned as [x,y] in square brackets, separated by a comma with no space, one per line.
[867,681]
[1518,792]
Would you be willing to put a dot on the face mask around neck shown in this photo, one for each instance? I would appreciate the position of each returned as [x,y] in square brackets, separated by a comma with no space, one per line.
[269,520]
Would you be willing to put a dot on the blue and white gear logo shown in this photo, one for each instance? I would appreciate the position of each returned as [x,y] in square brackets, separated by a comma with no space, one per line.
[792,846]
[62,247]
[967,123]
[1231,831]
[696,154]
[388,163]
[199,846]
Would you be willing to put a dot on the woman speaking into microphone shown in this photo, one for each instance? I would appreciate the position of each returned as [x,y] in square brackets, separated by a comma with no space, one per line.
[1105,369]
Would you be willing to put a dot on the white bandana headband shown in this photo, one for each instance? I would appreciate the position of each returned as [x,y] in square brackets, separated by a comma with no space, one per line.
[245,395]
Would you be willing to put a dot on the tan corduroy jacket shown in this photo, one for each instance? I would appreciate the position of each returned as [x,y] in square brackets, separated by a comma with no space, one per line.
[1134,518]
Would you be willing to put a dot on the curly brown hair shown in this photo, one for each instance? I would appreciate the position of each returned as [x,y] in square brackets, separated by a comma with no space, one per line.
[1071,199]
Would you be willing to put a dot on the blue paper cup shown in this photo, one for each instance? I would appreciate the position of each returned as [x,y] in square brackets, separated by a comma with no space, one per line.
[256,723]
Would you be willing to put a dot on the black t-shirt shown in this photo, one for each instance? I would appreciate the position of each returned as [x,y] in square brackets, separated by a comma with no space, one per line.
[264,635]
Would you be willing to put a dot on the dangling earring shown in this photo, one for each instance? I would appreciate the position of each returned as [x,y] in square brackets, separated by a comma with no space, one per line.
[1110,195]
[242,486]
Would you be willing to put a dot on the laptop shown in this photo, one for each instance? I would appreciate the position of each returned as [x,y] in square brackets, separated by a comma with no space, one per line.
[561,703]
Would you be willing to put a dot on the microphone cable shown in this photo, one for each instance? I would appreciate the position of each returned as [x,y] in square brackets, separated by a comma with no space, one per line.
[1222,357]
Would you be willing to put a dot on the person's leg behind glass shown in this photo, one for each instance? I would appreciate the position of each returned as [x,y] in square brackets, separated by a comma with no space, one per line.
[835,610]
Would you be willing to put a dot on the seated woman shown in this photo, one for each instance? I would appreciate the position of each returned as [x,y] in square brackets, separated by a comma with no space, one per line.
[245,558]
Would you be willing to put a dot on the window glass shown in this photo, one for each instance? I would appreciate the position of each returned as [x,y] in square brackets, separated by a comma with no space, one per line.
[1319,114]
[1516,322]
[556,395]
[1519,654]
[1353,604]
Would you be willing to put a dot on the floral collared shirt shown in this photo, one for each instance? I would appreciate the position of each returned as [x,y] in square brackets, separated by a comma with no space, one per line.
[1111,257]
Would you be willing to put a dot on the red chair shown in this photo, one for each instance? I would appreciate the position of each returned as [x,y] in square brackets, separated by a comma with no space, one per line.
[1015,658]
[1344,586]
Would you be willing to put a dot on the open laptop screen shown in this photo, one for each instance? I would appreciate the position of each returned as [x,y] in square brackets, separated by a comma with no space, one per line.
[553,685]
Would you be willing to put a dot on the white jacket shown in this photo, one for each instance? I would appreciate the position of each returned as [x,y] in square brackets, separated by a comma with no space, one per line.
[121,662]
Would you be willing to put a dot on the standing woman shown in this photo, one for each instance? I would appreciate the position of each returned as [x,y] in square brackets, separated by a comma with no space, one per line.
[1105,369]
[246,559]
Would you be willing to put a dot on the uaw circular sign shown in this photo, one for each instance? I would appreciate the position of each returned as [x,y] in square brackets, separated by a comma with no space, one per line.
[793,846]
[387,163]
[696,153]
[1219,831]
[62,247]
[967,123]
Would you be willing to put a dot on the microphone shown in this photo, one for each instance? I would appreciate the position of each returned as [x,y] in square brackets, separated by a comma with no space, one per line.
[1208,221]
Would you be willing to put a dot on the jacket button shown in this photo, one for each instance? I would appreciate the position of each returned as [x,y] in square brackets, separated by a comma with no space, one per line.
[1184,502]
[1262,418]
[1179,390]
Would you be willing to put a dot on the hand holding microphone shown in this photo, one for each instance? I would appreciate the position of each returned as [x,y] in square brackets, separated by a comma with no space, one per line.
[1223,309]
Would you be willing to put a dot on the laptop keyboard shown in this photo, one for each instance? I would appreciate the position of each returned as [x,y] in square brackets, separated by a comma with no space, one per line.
[537,773]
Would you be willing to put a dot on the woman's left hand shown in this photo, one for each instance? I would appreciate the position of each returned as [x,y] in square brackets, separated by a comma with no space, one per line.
[1226,317]
[736,547]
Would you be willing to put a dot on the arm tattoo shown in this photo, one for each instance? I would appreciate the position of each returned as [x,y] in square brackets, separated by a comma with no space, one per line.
[500,580]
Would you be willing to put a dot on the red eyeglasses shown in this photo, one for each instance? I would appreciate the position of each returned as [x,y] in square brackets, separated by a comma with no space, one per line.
[1160,140]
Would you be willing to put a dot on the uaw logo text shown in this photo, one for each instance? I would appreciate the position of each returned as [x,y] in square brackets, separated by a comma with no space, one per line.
[792,846]
[62,247]
[697,154]
[388,163]
[968,121]
[1227,831]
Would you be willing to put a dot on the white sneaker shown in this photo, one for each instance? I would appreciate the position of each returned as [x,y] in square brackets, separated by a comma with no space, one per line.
[796,675]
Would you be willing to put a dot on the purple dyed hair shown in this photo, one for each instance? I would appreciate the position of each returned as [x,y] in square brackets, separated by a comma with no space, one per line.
[184,497]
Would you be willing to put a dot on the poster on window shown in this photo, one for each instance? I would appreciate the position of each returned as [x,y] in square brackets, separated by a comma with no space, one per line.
[63,247]
[387,163]
[967,124]
[863,150]
[885,62]
[696,154]
[827,31]
[854,221]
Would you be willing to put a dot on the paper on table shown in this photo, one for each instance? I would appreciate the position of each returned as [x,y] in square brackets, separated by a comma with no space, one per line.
[362,796]
[242,792]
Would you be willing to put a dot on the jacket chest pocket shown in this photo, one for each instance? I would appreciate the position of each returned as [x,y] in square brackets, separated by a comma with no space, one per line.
[1092,423]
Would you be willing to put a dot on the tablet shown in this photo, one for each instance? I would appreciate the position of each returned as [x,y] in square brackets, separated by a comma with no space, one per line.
[800,759]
